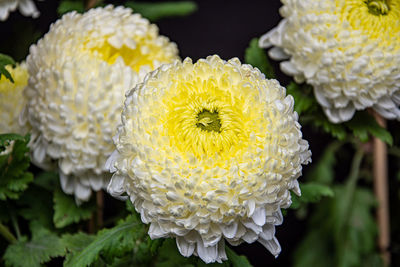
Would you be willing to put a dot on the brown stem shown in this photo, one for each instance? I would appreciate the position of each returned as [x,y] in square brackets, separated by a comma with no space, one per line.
[100,207]
[91,224]
[382,193]
[90,4]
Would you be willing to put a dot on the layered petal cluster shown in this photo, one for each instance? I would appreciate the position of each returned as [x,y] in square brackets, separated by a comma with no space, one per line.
[348,50]
[79,74]
[11,99]
[208,152]
[26,7]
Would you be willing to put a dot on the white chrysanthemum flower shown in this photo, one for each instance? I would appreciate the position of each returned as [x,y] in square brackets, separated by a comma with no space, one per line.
[79,73]
[208,152]
[348,50]
[26,7]
[11,99]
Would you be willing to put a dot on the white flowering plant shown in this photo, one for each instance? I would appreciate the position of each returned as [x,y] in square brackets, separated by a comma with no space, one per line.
[125,140]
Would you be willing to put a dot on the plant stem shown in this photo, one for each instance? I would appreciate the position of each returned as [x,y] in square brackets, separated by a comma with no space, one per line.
[100,207]
[90,4]
[7,234]
[382,193]
[353,178]
[15,225]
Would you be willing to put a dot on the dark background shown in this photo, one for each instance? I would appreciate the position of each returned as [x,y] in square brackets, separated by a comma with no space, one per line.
[217,27]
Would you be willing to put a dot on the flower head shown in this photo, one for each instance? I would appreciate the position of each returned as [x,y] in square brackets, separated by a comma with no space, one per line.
[26,7]
[208,152]
[11,99]
[348,50]
[79,73]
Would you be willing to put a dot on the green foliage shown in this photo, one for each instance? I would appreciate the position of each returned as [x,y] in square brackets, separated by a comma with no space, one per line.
[4,61]
[336,130]
[66,6]
[43,246]
[168,255]
[302,98]
[75,243]
[66,211]
[256,56]
[14,162]
[111,243]
[157,11]
[311,193]
[361,126]
[352,245]
[237,261]
[364,125]
[36,204]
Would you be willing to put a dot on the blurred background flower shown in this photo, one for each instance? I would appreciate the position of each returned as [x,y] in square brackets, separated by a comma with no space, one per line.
[349,51]
[80,71]
[12,100]
[26,7]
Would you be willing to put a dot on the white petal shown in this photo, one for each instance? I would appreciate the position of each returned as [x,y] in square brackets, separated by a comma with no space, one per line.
[289,69]
[221,251]
[296,187]
[347,113]
[268,232]
[207,254]
[250,236]
[28,8]
[272,245]
[116,187]
[155,231]
[278,54]
[259,216]
[67,183]
[229,231]
[82,193]
[185,248]
[321,98]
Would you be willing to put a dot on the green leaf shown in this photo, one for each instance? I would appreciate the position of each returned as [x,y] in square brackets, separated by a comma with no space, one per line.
[364,124]
[353,244]
[66,211]
[336,130]
[70,5]
[6,138]
[256,56]
[303,101]
[237,261]
[47,180]
[43,246]
[157,11]
[4,61]
[111,243]
[36,205]
[168,255]
[14,162]
[77,242]
[311,112]
[311,193]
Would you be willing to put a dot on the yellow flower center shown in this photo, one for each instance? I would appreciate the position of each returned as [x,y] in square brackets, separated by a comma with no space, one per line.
[209,121]
[378,7]
[20,76]
[143,50]
[378,18]
[209,118]
[135,58]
